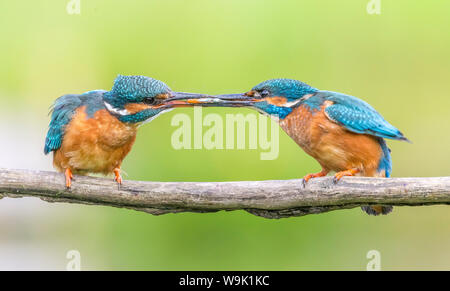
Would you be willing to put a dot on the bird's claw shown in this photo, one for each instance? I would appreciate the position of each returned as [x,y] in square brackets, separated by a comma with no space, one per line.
[311,176]
[335,180]
[118,178]
[338,176]
[303,183]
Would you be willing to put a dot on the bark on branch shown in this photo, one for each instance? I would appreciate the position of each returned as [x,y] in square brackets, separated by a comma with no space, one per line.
[270,199]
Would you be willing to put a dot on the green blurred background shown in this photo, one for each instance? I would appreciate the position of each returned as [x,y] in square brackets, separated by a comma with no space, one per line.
[397,61]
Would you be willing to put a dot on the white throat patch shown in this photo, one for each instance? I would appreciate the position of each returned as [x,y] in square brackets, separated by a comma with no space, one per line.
[293,103]
[112,109]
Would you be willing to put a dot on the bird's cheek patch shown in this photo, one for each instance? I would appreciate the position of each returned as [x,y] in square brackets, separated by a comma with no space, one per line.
[277,101]
[133,108]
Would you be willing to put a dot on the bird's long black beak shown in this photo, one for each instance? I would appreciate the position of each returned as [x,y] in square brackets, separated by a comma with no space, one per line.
[182,99]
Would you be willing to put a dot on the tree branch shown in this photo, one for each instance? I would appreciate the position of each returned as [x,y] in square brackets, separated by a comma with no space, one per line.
[270,199]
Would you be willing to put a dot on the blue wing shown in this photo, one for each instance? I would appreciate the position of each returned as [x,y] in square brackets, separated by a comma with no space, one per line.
[358,116]
[62,112]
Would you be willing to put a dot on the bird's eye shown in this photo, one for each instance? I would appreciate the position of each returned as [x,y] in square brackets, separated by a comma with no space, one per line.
[264,93]
[150,100]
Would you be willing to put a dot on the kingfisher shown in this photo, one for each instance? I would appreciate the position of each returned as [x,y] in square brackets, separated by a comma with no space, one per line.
[94,131]
[343,133]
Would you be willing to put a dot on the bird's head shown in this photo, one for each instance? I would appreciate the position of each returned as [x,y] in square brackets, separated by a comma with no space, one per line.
[288,89]
[136,99]
[274,97]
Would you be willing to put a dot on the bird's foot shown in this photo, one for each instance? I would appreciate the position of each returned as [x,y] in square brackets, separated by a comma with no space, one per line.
[314,175]
[118,177]
[68,174]
[338,176]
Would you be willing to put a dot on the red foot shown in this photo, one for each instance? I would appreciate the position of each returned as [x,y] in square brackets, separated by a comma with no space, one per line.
[117,176]
[69,176]
[315,175]
[341,174]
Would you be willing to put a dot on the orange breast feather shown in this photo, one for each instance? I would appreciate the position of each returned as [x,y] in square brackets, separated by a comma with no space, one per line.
[333,146]
[96,145]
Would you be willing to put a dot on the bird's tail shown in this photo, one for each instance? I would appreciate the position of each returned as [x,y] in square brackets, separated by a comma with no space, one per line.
[384,170]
